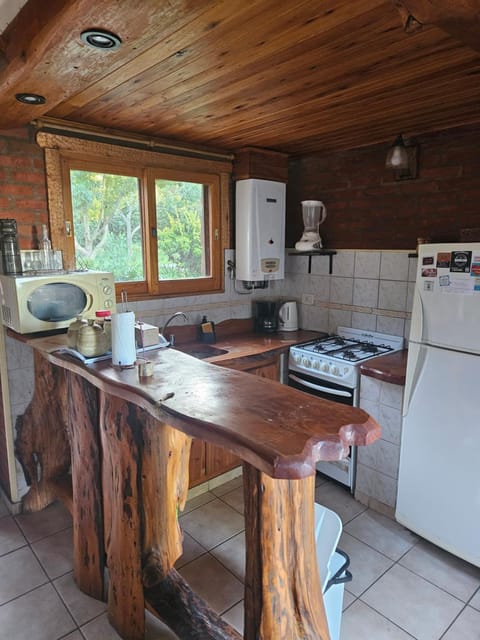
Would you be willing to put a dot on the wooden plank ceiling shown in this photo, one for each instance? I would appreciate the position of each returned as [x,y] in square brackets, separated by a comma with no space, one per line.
[296,76]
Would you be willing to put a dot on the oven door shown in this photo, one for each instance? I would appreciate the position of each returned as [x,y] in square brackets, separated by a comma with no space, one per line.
[321,388]
[342,471]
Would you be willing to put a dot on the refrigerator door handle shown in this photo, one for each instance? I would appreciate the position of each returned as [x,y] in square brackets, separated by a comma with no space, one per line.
[417,354]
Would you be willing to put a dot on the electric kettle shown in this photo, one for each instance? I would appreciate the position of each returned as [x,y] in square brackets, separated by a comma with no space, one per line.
[288,316]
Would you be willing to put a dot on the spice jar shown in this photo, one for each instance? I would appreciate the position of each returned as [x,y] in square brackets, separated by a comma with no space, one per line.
[91,340]
[104,319]
[73,329]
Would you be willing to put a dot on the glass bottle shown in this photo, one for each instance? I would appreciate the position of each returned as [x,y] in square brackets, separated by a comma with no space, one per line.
[46,248]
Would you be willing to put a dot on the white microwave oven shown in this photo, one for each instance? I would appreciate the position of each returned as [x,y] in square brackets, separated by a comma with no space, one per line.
[41,303]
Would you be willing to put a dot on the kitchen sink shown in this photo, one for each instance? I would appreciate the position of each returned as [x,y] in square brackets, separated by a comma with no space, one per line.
[202,351]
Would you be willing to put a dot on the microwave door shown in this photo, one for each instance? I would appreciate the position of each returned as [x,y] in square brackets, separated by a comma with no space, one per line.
[57,302]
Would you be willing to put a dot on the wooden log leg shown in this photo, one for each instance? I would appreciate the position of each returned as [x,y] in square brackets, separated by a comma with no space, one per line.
[87,512]
[120,435]
[41,444]
[164,491]
[283,596]
[165,459]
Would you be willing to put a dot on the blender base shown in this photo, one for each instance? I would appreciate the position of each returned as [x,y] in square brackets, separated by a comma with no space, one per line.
[308,243]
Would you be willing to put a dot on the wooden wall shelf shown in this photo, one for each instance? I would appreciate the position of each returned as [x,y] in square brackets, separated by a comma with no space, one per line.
[315,252]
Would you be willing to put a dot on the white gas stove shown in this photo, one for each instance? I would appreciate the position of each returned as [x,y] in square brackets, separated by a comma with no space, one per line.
[337,358]
[329,368]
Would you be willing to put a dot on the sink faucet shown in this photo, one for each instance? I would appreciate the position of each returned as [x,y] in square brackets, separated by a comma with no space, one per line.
[175,315]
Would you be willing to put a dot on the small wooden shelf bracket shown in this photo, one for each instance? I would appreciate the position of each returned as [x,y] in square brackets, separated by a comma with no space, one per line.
[318,252]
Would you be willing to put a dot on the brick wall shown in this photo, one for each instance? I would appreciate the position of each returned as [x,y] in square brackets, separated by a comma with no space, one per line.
[367,209]
[22,184]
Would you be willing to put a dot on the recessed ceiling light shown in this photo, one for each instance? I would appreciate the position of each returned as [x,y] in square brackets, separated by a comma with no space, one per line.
[30,98]
[100,39]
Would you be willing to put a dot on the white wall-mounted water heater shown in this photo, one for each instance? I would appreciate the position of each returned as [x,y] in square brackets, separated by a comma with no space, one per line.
[260,230]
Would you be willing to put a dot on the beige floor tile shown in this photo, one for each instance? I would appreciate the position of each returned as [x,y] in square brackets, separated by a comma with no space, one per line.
[212,582]
[156,630]
[3,508]
[465,627]
[191,550]
[43,523]
[99,629]
[212,524]
[38,615]
[360,622]
[234,617]
[340,500]
[475,601]
[198,501]
[226,487]
[81,607]
[320,479]
[232,555]
[456,576]
[20,572]
[366,564]
[235,499]
[11,536]
[412,603]
[381,533]
[76,635]
[55,553]
[348,599]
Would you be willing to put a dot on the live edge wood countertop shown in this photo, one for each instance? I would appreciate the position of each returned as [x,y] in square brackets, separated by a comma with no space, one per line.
[390,368]
[279,430]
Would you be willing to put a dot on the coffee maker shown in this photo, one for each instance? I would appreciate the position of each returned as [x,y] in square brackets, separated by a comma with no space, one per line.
[266,316]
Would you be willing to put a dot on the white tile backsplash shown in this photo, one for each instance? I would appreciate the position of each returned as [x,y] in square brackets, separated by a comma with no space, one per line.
[341,290]
[367,264]
[394,266]
[388,324]
[391,395]
[392,295]
[365,292]
[344,264]
[366,321]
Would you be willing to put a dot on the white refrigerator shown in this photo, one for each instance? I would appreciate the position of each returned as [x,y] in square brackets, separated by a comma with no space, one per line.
[439,474]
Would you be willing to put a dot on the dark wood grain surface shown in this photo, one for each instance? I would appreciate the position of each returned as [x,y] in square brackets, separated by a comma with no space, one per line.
[277,429]
[389,368]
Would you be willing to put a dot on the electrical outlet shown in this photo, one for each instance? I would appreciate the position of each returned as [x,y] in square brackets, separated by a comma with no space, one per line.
[307,298]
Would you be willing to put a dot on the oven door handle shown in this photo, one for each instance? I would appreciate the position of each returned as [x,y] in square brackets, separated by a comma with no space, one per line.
[311,385]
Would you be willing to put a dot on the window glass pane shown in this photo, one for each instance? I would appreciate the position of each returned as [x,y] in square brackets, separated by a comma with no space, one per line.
[181,211]
[107,223]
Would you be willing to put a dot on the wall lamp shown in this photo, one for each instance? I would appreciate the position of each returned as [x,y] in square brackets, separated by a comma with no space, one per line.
[402,158]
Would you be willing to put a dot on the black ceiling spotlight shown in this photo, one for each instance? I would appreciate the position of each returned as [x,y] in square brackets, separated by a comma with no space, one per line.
[30,98]
[100,39]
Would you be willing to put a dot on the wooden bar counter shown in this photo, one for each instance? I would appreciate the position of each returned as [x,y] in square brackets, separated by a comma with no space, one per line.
[127,443]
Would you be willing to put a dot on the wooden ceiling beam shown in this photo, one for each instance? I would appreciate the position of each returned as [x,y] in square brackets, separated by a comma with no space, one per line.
[459,18]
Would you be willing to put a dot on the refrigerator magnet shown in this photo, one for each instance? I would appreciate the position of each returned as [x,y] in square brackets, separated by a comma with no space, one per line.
[461,261]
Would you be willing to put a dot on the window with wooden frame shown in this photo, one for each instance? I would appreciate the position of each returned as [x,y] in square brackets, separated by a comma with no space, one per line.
[158,221]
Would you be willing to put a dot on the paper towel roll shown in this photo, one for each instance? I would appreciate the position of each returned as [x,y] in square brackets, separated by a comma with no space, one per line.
[124,351]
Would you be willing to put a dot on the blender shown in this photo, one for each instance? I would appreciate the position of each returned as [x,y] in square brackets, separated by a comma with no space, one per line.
[314,213]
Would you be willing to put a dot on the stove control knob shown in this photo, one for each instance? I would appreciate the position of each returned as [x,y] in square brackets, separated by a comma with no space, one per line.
[325,367]
[297,358]
[335,371]
[307,362]
[316,364]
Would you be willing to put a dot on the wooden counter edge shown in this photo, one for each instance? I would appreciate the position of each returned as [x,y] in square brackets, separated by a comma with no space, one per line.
[389,368]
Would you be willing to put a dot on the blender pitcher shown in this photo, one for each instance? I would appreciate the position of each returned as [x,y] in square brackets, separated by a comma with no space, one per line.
[314,213]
